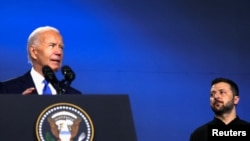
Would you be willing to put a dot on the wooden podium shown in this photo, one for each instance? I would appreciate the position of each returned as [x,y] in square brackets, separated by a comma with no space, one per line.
[111,115]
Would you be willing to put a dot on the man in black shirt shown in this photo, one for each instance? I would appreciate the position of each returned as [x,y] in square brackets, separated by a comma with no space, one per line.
[224,97]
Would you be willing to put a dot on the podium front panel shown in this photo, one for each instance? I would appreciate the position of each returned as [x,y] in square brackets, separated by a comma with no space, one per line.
[111,115]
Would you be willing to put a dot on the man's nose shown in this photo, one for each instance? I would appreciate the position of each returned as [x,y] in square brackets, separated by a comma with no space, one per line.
[58,50]
[216,95]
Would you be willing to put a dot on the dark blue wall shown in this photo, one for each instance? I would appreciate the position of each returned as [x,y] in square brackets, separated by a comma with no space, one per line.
[163,54]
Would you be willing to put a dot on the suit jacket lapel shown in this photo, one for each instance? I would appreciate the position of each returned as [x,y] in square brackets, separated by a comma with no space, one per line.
[27,81]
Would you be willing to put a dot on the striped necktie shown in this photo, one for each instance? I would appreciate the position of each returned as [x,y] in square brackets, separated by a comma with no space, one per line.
[46,89]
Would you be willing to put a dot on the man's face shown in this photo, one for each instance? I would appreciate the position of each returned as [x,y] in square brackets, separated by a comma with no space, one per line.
[222,99]
[49,51]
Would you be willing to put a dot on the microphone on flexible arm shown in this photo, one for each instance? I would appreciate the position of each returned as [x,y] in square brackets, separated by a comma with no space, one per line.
[69,76]
[51,77]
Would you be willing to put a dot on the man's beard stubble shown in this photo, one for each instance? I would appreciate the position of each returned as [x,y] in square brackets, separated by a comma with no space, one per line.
[225,108]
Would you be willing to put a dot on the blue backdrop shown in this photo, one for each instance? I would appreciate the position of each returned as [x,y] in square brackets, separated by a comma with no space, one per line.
[163,54]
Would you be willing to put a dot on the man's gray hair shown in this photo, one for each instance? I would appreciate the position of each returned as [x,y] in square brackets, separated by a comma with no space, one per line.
[34,37]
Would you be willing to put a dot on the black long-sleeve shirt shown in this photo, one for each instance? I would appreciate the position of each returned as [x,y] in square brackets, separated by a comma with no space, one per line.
[232,130]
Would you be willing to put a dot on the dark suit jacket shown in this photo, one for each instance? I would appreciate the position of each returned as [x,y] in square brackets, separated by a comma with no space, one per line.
[21,83]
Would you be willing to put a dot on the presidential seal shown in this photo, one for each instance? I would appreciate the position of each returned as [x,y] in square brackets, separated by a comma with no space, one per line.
[64,122]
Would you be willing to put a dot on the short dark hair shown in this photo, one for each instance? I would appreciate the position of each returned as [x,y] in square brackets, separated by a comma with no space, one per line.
[234,86]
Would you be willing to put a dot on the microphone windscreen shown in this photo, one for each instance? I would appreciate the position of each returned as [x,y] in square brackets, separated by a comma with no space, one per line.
[49,74]
[68,73]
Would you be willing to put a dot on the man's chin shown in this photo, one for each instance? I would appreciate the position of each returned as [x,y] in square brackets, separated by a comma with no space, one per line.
[55,68]
[217,111]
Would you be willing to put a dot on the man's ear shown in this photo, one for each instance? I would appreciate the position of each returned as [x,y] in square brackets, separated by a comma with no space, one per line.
[33,52]
[236,100]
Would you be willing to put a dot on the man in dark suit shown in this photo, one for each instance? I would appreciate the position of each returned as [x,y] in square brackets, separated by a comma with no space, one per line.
[45,48]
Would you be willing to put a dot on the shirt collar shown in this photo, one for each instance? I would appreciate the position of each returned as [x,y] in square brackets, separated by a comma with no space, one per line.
[218,121]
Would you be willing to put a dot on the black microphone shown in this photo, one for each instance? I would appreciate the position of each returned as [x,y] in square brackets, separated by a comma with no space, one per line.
[68,73]
[49,74]
[51,77]
[69,76]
